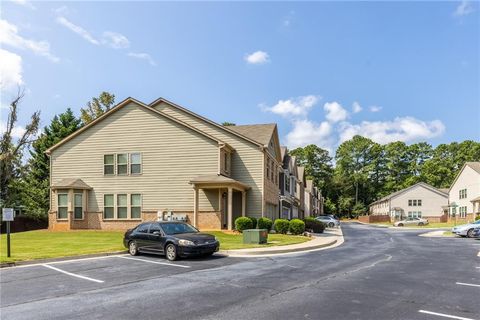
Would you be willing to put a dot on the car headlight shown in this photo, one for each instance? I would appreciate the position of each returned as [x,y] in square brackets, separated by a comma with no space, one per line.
[184,242]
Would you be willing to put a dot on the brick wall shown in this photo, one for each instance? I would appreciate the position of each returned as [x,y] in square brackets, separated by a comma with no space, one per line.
[371,219]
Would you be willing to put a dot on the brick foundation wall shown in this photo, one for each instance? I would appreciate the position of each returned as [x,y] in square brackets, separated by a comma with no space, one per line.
[371,219]
[95,221]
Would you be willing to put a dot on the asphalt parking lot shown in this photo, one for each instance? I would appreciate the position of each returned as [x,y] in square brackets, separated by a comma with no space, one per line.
[376,274]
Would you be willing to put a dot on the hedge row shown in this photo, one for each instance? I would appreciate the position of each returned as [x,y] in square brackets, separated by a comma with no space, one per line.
[283,226]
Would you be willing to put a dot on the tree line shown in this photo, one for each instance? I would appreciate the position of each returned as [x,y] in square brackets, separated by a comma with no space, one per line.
[24,165]
[363,171]
[360,172]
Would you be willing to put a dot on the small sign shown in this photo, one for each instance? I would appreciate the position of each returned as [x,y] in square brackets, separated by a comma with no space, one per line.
[7,214]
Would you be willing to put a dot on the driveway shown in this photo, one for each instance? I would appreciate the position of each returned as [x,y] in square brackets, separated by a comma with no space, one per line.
[376,274]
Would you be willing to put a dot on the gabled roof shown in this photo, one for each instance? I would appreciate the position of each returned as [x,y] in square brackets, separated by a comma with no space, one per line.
[261,133]
[474,165]
[419,184]
[120,106]
[283,151]
[301,173]
[71,183]
[225,128]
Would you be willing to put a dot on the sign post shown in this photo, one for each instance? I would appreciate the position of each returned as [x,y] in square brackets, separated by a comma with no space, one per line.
[7,215]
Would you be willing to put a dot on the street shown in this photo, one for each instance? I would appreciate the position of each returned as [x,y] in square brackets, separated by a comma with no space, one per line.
[377,273]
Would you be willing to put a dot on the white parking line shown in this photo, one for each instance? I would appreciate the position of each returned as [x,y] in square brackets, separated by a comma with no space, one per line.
[155,262]
[58,262]
[468,284]
[444,315]
[72,274]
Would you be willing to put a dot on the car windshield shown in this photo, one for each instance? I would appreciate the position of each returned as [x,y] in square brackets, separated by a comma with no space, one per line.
[176,228]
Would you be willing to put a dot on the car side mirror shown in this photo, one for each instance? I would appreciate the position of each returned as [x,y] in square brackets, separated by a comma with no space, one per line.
[157,233]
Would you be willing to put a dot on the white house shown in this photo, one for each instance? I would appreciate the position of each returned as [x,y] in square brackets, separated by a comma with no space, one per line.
[420,200]
[464,193]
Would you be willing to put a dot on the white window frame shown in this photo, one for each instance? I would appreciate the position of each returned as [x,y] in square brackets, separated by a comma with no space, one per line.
[58,205]
[122,164]
[130,164]
[132,206]
[113,206]
[104,165]
[117,207]
[75,194]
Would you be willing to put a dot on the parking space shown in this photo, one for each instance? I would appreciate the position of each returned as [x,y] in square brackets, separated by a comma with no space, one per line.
[41,281]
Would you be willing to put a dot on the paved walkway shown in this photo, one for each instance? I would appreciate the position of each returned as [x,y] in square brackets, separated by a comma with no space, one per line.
[331,237]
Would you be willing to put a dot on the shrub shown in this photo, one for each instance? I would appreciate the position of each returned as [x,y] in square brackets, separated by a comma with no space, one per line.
[243,223]
[281,226]
[296,226]
[313,225]
[265,223]
[254,222]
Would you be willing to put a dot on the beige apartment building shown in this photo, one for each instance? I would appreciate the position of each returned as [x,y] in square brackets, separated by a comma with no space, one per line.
[141,162]
[418,201]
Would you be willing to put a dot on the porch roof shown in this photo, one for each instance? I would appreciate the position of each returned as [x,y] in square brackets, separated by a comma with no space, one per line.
[217,181]
[477,199]
[71,183]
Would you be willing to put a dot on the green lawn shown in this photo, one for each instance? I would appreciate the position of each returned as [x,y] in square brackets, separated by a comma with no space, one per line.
[230,241]
[42,244]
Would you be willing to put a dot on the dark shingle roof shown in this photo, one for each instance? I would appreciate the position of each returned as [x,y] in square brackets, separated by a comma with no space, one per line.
[261,133]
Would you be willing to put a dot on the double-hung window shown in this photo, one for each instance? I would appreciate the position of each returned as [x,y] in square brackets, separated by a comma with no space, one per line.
[78,206]
[62,212]
[135,163]
[108,206]
[135,206]
[122,209]
[122,163]
[109,164]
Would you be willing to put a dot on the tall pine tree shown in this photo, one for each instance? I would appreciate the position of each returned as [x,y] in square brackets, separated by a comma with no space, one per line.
[35,185]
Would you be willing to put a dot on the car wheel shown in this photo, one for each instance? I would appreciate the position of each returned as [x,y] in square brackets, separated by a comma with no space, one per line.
[470,233]
[420,224]
[132,248]
[171,252]
[331,224]
[400,224]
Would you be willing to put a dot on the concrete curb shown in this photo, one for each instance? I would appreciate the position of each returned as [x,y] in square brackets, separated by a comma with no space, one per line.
[40,261]
[276,251]
[401,228]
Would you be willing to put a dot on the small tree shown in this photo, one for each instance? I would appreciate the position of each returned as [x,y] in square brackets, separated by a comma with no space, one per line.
[96,107]
[11,168]
[359,209]
[228,124]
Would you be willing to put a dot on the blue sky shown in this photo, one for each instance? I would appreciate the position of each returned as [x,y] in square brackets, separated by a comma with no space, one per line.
[323,71]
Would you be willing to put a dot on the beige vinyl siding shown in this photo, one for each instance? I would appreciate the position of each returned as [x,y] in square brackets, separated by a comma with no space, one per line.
[468,179]
[432,202]
[172,155]
[246,162]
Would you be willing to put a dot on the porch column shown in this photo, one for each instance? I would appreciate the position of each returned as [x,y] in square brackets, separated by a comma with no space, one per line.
[195,206]
[244,203]
[230,208]
[84,203]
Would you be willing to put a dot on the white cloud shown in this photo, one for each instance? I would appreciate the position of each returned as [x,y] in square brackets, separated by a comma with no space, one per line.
[61,10]
[306,132]
[258,57]
[356,108]
[375,108]
[463,9]
[17,131]
[115,40]
[406,129]
[143,56]
[9,36]
[10,70]
[78,30]
[24,3]
[296,107]
[335,112]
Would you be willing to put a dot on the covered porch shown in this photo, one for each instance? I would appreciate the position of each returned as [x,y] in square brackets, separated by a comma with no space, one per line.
[228,190]
[476,206]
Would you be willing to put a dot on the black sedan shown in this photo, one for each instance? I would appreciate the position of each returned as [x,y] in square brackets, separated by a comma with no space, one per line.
[173,239]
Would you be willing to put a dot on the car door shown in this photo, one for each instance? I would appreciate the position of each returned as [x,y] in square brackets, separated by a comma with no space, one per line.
[156,239]
[141,236]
